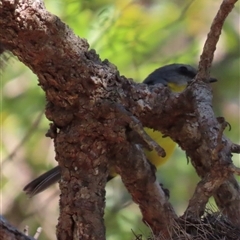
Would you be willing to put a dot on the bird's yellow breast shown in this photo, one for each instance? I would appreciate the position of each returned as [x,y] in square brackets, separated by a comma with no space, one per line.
[165,142]
[176,88]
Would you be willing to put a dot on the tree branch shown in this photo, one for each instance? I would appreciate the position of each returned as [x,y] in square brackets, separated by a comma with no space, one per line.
[8,232]
[221,152]
[139,178]
[213,37]
[235,148]
[79,89]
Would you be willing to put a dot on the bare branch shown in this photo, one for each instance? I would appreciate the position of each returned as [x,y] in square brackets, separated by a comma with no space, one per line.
[88,135]
[204,190]
[139,178]
[219,148]
[213,37]
[7,231]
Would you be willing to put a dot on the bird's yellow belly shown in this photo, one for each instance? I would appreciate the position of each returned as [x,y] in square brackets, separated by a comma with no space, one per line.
[165,142]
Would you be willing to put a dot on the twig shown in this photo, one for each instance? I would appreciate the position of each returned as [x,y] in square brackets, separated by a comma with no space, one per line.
[235,148]
[38,232]
[25,138]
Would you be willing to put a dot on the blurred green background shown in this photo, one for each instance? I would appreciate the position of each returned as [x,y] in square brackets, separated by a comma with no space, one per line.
[138,37]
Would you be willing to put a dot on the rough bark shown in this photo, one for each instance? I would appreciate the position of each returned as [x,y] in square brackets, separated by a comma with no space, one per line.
[92,108]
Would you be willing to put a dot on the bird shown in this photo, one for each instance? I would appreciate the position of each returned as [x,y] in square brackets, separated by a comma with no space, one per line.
[175,76]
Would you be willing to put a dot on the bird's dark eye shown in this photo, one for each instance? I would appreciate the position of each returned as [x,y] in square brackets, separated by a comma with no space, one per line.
[186,72]
[183,69]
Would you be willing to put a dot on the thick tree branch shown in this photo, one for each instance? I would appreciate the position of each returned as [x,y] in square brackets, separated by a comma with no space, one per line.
[79,89]
[220,154]
[139,178]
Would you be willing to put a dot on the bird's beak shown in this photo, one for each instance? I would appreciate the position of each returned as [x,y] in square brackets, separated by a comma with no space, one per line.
[212,80]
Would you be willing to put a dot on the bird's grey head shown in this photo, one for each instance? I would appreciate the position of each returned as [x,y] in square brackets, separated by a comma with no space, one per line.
[179,74]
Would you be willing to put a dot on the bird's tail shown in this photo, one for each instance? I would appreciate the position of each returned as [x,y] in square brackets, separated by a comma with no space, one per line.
[46,180]
[42,182]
